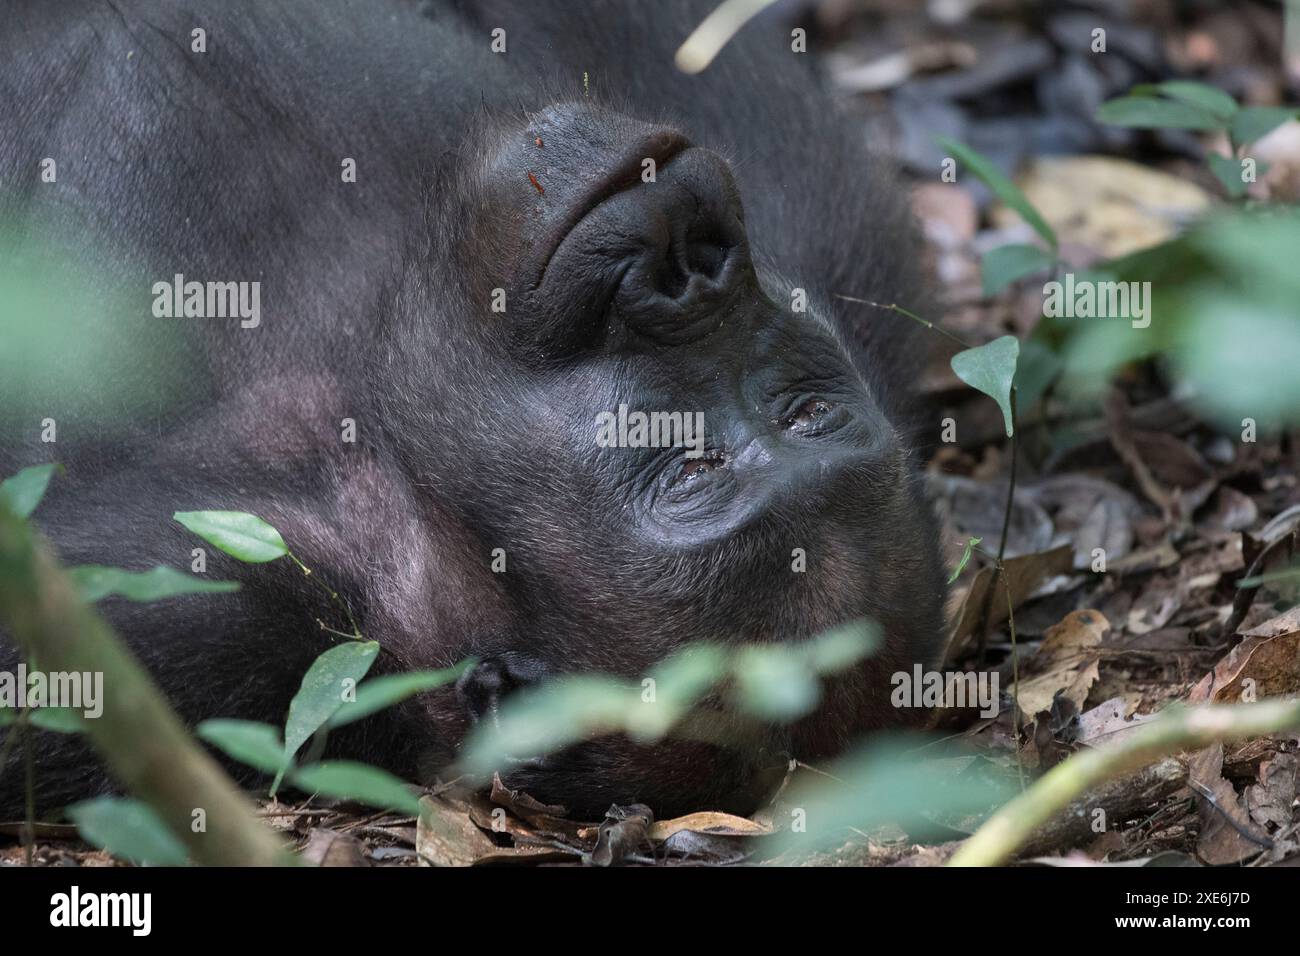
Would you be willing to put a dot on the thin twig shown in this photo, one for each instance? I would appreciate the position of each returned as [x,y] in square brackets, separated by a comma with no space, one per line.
[999,567]
[894,307]
[29,784]
[715,31]
[1175,730]
[334,596]
[1015,676]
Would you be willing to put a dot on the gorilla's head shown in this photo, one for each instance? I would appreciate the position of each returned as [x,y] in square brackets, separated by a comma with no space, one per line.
[597,269]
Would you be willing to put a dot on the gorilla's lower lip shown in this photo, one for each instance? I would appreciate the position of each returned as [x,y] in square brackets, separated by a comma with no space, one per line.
[661,146]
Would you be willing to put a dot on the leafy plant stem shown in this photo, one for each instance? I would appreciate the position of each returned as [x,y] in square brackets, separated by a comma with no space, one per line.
[998,566]
[29,788]
[1015,670]
[1175,730]
[15,731]
[334,596]
[893,307]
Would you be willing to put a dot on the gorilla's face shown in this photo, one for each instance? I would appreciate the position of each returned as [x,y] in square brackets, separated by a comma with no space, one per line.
[603,273]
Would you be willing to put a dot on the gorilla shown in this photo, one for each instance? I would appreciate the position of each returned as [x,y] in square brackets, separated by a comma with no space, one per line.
[462,233]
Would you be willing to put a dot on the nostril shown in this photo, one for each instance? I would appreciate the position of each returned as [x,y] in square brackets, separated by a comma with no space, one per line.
[706,256]
[697,251]
[685,248]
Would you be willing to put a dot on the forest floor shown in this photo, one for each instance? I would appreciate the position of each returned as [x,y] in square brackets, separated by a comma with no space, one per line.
[1180,511]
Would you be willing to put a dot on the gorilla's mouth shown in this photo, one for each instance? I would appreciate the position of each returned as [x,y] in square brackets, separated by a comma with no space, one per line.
[661,146]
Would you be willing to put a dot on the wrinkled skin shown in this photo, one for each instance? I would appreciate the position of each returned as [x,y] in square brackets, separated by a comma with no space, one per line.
[480,172]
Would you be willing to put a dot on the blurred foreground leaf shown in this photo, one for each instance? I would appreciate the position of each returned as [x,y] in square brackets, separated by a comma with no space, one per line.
[23,491]
[128,829]
[95,581]
[889,783]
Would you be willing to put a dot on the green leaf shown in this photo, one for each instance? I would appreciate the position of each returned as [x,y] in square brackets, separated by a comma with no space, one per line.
[21,493]
[1256,251]
[1149,112]
[686,675]
[94,581]
[59,720]
[1242,353]
[249,742]
[1256,122]
[239,534]
[1228,171]
[128,829]
[1003,188]
[1209,98]
[895,781]
[1007,264]
[842,647]
[379,693]
[550,716]
[321,693]
[345,780]
[1269,578]
[991,369]
[965,559]
[774,682]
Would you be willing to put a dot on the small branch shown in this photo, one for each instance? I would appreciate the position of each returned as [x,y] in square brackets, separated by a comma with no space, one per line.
[1015,669]
[1245,596]
[29,784]
[1172,732]
[1123,798]
[999,568]
[334,596]
[139,736]
[11,738]
[715,32]
[911,315]
[1120,431]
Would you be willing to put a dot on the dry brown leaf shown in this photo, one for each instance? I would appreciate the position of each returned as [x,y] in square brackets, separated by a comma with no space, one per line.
[1282,624]
[1175,463]
[1220,843]
[624,833]
[446,835]
[717,824]
[1066,663]
[1271,801]
[547,818]
[1257,667]
[327,847]
[1112,206]
[1023,575]
[1114,716]
[1231,511]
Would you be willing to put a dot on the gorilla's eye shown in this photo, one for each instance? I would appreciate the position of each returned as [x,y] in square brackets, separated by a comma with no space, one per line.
[697,467]
[808,413]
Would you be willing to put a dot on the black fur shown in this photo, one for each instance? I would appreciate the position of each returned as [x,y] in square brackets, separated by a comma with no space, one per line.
[474,427]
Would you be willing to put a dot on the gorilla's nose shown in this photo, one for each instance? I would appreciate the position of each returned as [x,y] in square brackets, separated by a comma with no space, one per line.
[606,223]
[680,240]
